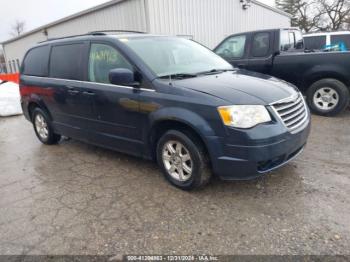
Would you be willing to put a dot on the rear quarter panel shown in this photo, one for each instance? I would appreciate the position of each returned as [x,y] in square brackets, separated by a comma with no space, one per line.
[302,69]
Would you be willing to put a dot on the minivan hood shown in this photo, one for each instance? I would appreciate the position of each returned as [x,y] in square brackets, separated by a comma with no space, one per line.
[240,87]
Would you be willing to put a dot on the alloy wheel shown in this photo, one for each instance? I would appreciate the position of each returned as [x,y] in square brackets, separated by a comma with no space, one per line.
[41,127]
[177,161]
[326,98]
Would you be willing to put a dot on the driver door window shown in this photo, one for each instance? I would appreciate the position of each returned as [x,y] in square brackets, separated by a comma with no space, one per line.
[261,45]
[102,59]
[233,47]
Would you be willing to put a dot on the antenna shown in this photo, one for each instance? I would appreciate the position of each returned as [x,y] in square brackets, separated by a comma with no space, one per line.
[170,80]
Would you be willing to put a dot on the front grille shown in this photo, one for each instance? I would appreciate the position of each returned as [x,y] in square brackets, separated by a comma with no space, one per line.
[292,111]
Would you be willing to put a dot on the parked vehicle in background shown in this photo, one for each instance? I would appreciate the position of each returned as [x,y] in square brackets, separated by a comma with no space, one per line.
[163,98]
[324,77]
[328,41]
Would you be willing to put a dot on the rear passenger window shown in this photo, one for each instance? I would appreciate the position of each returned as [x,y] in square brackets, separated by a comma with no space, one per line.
[36,61]
[261,45]
[102,59]
[315,42]
[66,61]
[341,40]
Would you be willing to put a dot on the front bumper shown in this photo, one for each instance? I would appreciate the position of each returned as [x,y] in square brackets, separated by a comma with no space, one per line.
[244,162]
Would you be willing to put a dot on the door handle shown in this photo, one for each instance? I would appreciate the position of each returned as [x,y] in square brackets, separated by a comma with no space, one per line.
[73,92]
[241,65]
[88,93]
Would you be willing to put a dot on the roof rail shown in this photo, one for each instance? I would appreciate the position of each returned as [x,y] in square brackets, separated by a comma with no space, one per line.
[103,32]
[58,38]
[96,33]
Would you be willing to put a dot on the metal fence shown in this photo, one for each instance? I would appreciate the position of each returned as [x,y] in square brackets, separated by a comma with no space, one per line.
[3,69]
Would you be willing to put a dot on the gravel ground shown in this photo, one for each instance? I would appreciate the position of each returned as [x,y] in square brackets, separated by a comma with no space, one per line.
[75,199]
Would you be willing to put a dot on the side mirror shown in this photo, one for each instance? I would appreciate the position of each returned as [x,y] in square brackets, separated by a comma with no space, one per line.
[122,76]
[299,45]
[276,53]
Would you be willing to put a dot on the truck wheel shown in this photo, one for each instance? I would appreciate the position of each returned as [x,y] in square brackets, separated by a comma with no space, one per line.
[183,160]
[43,128]
[328,97]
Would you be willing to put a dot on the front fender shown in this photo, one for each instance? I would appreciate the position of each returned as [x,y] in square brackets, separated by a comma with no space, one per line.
[185,116]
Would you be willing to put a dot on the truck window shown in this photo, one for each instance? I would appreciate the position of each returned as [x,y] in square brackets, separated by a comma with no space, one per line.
[299,41]
[291,40]
[66,61]
[341,39]
[36,61]
[102,59]
[261,45]
[285,43]
[315,42]
[233,47]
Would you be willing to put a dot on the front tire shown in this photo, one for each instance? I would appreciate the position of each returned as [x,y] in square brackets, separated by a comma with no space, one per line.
[183,160]
[43,127]
[328,97]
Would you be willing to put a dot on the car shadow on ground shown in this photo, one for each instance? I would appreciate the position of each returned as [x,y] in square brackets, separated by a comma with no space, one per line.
[147,174]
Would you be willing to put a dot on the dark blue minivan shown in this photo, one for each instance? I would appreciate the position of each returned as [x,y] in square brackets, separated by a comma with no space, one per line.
[163,98]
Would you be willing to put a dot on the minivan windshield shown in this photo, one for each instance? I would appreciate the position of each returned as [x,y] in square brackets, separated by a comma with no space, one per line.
[167,56]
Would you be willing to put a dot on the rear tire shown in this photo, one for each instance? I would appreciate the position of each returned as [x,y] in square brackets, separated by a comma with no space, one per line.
[328,97]
[183,160]
[43,127]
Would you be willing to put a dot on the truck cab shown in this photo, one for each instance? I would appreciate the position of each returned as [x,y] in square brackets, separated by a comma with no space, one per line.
[256,50]
[323,77]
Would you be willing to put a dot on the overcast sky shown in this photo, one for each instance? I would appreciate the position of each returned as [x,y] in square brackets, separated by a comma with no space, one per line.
[36,13]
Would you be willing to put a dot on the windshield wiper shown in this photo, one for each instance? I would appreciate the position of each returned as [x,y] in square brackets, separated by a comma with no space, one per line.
[178,76]
[215,71]
[187,75]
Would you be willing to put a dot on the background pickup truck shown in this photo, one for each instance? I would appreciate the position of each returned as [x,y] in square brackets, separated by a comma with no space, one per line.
[323,77]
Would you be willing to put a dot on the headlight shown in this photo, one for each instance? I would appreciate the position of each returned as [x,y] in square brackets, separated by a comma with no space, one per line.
[244,116]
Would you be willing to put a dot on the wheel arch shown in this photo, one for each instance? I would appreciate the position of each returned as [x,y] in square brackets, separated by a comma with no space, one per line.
[312,78]
[184,120]
[34,102]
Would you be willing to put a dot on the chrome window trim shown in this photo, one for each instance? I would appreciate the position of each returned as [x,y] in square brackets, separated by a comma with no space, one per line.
[88,82]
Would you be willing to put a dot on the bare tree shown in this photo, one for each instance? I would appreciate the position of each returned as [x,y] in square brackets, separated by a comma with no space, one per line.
[333,14]
[306,20]
[322,15]
[346,24]
[302,12]
[18,28]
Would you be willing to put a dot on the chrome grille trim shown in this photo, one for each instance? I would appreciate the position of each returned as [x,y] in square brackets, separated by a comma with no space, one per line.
[295,114]
[289,104]
[290,124]
[292,111]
